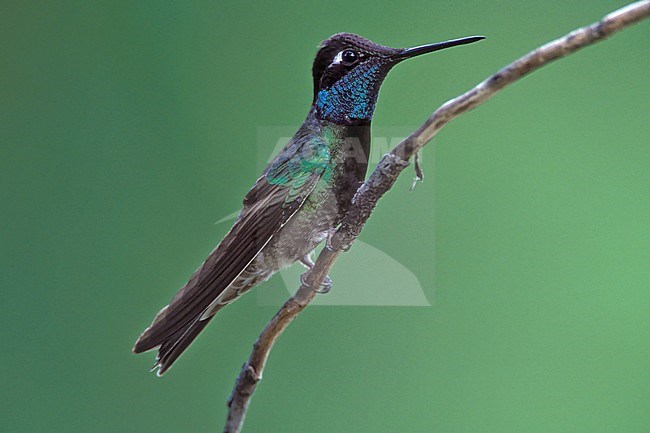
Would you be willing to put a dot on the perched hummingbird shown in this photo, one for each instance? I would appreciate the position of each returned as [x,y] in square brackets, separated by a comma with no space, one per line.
[301,196]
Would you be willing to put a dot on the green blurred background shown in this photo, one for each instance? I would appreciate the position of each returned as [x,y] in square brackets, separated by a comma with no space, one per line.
[129,128]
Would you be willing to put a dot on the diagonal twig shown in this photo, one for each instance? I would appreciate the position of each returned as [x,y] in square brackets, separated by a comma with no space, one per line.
[385,175]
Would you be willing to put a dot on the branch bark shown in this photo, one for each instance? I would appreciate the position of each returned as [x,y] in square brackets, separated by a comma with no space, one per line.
[385,175]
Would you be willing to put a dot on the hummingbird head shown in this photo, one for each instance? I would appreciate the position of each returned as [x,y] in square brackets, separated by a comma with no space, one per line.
[348,71]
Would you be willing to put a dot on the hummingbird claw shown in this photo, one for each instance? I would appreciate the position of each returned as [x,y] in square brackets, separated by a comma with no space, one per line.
[328,243]
[324,288]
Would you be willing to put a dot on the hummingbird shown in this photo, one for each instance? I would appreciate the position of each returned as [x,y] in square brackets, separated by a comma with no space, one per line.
[300,197]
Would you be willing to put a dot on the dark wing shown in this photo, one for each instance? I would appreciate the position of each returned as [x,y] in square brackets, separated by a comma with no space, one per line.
[274,199]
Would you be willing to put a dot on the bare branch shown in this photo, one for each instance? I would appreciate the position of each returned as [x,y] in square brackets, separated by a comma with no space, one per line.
[386,173]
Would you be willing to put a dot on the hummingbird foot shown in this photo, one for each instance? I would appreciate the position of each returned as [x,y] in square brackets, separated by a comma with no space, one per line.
[330,246]
[306,261]
[324,288]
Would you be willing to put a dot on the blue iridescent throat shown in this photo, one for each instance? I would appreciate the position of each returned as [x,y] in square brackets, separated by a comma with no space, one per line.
[352,98]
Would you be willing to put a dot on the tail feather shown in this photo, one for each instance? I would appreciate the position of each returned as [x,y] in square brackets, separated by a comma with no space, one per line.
[171,340]
[148,340]
[171,344]
[175,345]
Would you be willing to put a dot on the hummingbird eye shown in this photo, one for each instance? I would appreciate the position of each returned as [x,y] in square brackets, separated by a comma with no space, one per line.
[349,57]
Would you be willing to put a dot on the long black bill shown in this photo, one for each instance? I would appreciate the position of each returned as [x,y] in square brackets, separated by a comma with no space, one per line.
[407,53]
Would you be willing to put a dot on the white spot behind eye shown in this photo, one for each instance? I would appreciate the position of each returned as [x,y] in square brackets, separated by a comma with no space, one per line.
[338,59]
